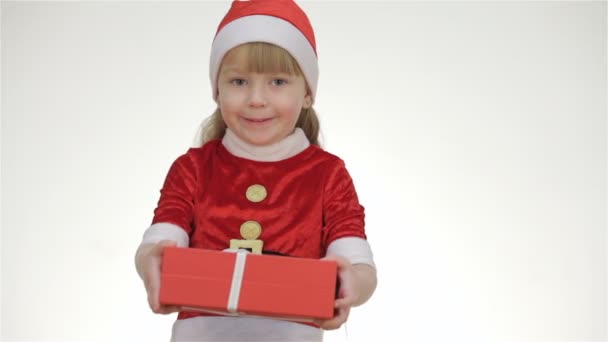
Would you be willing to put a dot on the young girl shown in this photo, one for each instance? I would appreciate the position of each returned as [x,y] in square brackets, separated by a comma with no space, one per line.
[260,166]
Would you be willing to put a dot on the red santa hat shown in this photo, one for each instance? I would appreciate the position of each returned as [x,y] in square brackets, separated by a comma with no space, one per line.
[278,22]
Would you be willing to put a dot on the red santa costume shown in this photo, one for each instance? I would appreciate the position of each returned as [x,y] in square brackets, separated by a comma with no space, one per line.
[301,197]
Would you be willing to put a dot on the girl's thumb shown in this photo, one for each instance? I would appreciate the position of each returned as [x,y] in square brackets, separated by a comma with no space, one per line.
[160,247]
[167,243]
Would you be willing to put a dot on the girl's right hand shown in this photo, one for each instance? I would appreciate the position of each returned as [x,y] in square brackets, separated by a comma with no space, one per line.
[148,263]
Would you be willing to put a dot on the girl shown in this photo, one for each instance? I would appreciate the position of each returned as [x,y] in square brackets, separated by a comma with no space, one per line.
[260,166]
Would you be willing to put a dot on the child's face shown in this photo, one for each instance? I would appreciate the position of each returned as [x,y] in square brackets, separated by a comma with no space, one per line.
[260,108]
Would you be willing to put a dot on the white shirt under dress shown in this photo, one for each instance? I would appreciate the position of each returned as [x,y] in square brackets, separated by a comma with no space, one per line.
[233,329]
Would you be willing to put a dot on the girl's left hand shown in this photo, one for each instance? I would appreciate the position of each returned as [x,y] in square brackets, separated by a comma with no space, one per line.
[348,294]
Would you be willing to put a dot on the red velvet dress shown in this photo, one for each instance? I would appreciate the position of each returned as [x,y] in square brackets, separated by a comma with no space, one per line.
[310,201]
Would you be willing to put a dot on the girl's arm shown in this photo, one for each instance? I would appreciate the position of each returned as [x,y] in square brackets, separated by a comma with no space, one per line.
[171,225]
[344,229]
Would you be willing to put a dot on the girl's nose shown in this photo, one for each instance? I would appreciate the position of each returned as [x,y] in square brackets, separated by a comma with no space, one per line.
[257,96]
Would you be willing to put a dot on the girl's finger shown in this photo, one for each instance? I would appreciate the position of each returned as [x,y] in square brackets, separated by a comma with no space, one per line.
[344,302]
[336,322]
[166,243]
[168,309]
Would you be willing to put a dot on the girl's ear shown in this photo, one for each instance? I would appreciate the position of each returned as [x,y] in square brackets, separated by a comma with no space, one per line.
[307,101]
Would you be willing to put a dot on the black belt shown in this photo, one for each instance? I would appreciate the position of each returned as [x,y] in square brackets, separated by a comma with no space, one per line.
[266,252]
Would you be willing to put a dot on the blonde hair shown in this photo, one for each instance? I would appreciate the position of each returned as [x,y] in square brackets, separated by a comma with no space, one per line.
[262,57]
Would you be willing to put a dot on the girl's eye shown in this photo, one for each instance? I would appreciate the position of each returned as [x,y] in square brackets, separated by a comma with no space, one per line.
[279,82]
[238,81]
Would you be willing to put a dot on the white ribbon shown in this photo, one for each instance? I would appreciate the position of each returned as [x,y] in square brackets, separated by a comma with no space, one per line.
[237,280]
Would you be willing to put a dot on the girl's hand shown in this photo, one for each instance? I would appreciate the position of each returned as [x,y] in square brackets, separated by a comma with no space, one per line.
[348,294]
[148,263]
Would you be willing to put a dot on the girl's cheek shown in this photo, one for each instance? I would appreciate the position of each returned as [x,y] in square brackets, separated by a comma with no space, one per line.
[296,109]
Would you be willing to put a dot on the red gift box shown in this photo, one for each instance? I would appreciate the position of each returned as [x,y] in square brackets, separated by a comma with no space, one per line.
[248,284]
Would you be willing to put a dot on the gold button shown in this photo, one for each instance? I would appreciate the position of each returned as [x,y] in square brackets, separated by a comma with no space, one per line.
[256,193]
[251,230]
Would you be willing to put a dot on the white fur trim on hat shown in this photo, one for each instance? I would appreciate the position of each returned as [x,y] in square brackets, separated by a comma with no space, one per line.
[268,29]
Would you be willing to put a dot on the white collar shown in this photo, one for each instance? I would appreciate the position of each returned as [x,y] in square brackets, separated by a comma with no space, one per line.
[286,148]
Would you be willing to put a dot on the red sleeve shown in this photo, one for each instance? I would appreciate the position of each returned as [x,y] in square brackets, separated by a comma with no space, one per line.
[176,203]
[343,216]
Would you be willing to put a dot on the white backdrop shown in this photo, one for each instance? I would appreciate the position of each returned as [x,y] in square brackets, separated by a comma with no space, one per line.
[475,133]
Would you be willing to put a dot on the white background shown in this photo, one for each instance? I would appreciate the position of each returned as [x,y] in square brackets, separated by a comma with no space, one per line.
[475,133]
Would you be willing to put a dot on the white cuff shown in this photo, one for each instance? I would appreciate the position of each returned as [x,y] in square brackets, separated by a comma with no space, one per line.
[166,231]
[355,249]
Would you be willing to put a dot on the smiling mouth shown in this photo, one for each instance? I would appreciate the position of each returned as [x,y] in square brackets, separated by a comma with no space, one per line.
[257,120]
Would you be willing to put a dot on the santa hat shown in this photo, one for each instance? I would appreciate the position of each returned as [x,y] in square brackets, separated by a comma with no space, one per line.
[278,22]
